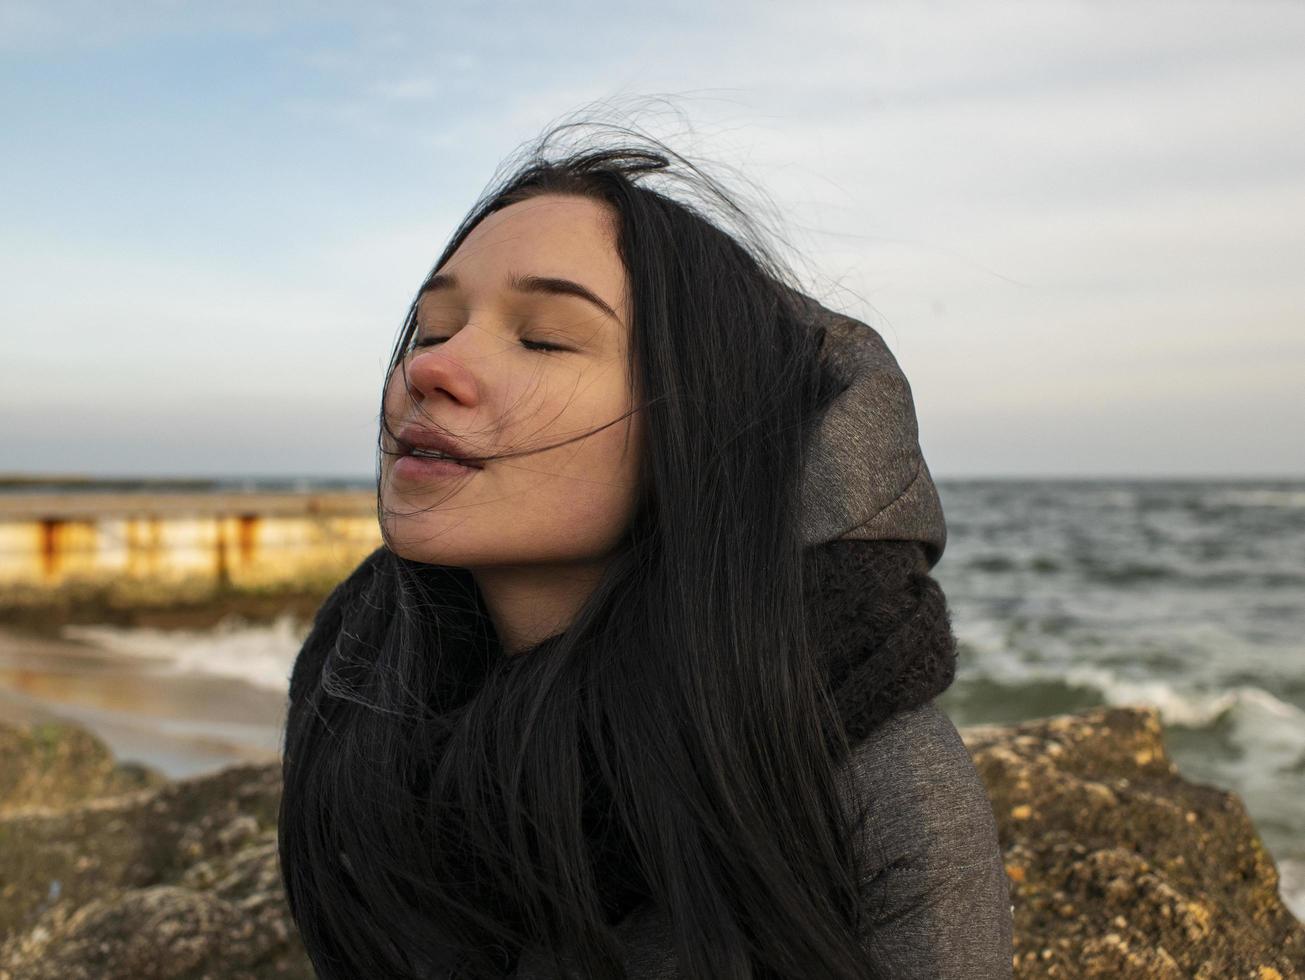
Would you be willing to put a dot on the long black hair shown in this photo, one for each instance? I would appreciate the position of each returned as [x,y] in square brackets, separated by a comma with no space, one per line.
[440,810]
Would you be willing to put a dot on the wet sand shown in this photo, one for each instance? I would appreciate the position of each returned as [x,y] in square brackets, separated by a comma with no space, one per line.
[180,724]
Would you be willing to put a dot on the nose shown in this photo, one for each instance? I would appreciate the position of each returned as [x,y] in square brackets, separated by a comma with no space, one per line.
[441,368]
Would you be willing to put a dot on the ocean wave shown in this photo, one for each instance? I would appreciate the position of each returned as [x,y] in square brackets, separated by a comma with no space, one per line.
[1291,885]
[260,654]
[1263,497]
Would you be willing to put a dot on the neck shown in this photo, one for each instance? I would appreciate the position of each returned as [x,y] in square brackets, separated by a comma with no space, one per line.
[529,603]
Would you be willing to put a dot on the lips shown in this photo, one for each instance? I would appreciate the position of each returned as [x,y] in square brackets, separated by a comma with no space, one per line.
[414,437]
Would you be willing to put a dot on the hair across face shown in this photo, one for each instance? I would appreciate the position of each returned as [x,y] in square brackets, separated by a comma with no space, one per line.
[519,352]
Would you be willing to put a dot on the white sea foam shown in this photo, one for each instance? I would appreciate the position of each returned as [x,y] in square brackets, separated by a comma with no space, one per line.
[1272,729]
[1291,885]
[1120,497]
[261,654]
[1262,497]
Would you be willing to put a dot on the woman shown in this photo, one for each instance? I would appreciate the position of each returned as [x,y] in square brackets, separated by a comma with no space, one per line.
[641,682]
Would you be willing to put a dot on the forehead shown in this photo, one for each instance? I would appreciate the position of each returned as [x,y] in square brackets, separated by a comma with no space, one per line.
[556,220]
[550,236]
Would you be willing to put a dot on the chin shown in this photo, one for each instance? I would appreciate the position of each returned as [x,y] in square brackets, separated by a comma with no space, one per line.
[411,541]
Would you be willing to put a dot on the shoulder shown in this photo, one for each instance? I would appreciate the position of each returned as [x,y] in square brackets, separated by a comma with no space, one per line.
[936,896]
[915,765]
[936,899]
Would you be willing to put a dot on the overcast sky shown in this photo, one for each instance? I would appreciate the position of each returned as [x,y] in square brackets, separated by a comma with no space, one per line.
[1079,226]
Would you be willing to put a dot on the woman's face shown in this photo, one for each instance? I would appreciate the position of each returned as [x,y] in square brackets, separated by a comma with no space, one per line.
[476,371]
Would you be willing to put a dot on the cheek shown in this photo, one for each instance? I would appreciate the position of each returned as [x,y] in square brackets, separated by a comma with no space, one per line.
[396,403]
[584,505]
[616,491]
[394,390]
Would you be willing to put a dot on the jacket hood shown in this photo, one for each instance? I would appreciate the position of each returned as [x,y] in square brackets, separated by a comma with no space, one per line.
[866,478]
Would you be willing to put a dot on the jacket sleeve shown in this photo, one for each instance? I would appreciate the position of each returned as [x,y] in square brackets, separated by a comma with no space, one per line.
[936,896]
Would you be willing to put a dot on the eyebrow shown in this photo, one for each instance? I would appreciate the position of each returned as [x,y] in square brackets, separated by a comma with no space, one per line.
[545,285]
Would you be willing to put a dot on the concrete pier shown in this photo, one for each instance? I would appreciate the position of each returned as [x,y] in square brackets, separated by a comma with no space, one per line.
[50,540]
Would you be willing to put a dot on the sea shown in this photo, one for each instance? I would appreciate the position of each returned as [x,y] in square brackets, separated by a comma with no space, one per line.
[1186,595]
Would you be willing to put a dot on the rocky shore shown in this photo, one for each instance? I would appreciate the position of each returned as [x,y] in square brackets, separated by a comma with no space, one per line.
[1119,867]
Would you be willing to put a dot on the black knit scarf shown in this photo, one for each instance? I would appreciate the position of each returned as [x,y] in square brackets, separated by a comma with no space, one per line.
[883,623]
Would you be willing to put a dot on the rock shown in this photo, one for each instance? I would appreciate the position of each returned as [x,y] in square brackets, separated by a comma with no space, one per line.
[159,931]
[54,764]
[1118,866]
[174,880]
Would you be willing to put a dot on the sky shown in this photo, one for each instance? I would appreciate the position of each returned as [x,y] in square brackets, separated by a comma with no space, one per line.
[1080,227]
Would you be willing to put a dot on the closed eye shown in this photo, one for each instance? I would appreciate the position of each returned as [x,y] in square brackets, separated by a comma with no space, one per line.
[537,345]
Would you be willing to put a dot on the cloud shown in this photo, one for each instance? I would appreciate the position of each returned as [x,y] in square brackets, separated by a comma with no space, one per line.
[1062,216]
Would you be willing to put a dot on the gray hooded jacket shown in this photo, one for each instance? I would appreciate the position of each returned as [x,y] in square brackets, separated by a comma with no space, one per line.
[939,901]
